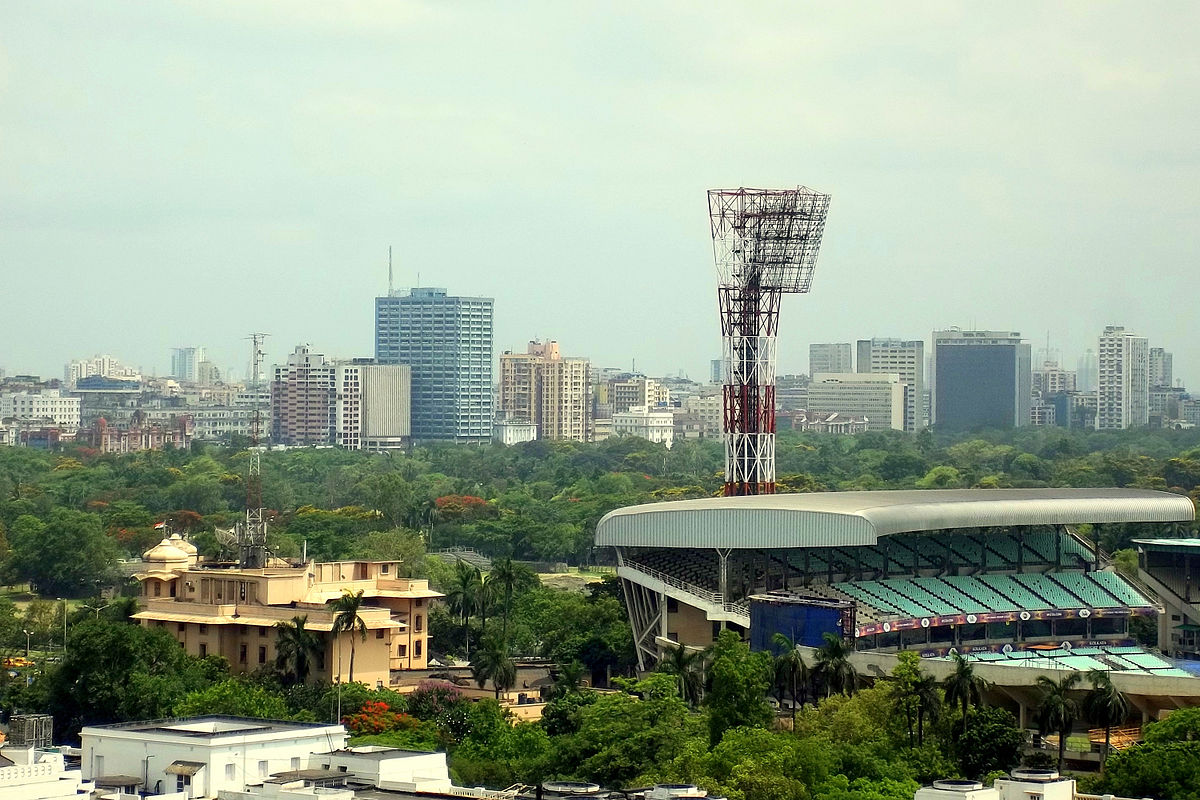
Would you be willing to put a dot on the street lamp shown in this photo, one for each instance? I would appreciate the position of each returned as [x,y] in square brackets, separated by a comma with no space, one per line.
[27,635]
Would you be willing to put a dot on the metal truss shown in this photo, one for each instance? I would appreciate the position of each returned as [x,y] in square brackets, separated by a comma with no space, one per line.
[765,243]
[648,618]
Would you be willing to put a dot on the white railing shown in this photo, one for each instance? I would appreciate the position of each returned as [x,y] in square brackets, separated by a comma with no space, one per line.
[741,607]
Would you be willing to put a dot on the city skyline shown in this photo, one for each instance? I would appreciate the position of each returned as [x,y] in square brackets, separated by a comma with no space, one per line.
[255,180]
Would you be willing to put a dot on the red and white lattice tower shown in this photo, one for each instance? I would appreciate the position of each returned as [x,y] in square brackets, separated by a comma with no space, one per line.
[765,243]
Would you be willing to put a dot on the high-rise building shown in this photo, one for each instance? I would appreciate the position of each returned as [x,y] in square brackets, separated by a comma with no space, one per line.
[1123,394]
[878,397]
[1161,368]
[829,357]
[372,409]
[1086,374]
[981,379]
[905,358]
[447,341]
[1051,379]
[185,363]
[103,365]
[303,396]
[625,394]
[544,388]
[716,371]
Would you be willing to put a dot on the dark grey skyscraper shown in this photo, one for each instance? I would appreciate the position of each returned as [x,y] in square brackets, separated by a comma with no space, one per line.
[447,341]
[981,379]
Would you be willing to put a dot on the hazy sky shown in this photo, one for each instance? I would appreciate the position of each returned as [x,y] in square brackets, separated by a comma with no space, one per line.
[187,172]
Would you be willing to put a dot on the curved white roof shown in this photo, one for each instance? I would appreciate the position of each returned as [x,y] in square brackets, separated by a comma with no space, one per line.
[844,519]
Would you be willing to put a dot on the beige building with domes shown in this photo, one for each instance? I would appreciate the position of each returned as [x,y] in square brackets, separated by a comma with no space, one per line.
[232,611]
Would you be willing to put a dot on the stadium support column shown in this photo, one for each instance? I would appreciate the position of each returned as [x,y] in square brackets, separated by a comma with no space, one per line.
[749,323]
[723,573]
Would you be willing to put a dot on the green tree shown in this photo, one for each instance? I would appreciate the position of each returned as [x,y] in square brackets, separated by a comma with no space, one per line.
[1058,710]
[906,675]
[833,668]
[66,556]
[1182,725]
[295,649]
[512,578]
[1105,705]
[1166,770]
[463,595]
[686,664]
[992,742]
[792,670]
[963,687]
[493,663]
[740,681]
[236,697]
[346,619]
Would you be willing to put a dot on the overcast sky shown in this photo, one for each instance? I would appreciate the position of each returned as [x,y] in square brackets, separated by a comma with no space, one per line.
[184,173]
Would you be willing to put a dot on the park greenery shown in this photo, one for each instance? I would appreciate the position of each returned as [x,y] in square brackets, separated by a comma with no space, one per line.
[779,724]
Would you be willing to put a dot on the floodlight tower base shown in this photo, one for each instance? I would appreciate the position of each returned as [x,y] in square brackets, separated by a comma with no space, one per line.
[749,324]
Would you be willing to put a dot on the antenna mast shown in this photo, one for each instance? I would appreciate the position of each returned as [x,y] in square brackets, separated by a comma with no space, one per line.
[252,536]
[391,290]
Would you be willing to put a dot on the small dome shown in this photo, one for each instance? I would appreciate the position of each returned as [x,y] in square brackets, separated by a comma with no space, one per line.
[183,544]
[164,551]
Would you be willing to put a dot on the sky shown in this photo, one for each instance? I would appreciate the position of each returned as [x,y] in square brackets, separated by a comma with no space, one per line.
[177,174]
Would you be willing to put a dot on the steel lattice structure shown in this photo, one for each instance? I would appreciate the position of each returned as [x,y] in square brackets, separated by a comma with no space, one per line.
[765,243]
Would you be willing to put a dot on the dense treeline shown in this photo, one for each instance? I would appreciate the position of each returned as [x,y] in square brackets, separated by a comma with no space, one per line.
[65,517]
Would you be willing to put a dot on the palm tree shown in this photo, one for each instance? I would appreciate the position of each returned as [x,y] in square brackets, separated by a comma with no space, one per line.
[687,665]
[295,649]
[1058,710]
[791,668]
[510,577]
[929,704]
[964,687]
[485,599]
[570,678]
[492,663]
[833,666]
[1105,705]
[463,595]
[346,619]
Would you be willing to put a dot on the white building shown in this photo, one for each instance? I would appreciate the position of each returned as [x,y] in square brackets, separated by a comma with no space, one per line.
[1051,379]
[185,363]
[103,365]
[1123,394]
[905,358]
[373,410]
[47,405]
[513,431]
[709,409]
[655,424]
[878,397]
[1161,367]
[625,394]
[830,357]
[203,755]
[27,773]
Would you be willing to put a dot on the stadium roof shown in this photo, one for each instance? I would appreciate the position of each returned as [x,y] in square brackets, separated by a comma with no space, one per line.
[1189,547]
[846,519]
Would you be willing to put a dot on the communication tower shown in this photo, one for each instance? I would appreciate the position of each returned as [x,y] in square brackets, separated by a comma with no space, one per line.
[252,532]
[765,244]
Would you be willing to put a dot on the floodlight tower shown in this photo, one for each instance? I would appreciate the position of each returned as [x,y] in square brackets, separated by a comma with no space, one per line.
[765,243]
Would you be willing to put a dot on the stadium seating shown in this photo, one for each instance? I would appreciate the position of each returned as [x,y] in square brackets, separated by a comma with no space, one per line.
[1119,589]
[925,599]
[1017,593]
[1051,594]
[1086,588]
[960,601]
[985,595]
[863,597]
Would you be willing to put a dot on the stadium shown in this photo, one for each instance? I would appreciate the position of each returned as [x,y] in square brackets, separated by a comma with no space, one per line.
[1002,576]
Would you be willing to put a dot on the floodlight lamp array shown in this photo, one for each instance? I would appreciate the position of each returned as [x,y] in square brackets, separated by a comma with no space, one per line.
[767,238]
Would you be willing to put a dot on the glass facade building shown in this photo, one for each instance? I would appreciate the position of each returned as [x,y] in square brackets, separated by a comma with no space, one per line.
[982,379]
[447,342]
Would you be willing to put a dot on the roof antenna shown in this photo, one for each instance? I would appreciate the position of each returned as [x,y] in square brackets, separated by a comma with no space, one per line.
[391,291]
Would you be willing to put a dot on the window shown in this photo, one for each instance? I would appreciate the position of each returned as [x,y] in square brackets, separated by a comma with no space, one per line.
[203,649]
[295,762]
[182,782]
[420,602]
[379,633]
[417,648]
[204,629]
[229,772]
[262,655]
[181,627]
[402,651]
[242,653]
[262,769]
[384,568]
[262,631]
[420,623]
[157,589]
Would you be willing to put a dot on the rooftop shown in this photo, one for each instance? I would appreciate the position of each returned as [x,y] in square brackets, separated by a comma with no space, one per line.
[213,726]
[842,519]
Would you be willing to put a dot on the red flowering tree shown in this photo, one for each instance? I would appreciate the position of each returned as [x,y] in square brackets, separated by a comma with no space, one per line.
[461,507]
[377,717]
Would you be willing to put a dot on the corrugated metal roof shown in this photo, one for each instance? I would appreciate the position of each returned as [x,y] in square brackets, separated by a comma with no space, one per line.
[844,519]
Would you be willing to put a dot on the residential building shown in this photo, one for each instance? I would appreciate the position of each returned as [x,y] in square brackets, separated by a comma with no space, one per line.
[234,612]
[981,379]
[103,365]
[1052,379]
[1161,368]
[902,357]
[303,395]
[716,371]
[207,373]
[709,410]
[185,363]
[1043,413]
[550,391]
[1123,394]
[447,341]
[45,406]
[372,410]
[201,757]
[648,422]
[830,357]
[1164,402]
[878,397]
[626,393]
